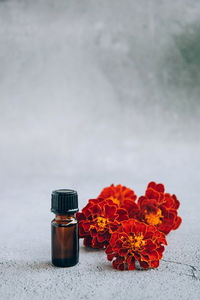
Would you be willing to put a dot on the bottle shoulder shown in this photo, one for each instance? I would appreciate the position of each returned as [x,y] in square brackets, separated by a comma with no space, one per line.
[65,222]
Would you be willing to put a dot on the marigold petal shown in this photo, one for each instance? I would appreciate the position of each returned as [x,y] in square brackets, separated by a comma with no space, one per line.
[95,209]
[141,228]
[152,194]
[176,202]
[117,245]
[101,238]
[122,214]
[129,204]
[110,256]
[148,234]
[93,232]
[86,226]
[118,260]
[158,187]
[108,249]
[131,262]
[82,232]
[121,267]
[160,251]
[164,228]
[123,251]
[140,200]
[154,264]
[80,216]
[150,245]
[114,238]
[143,264]
[127,226]
[152,185]
[153,255]
[98,245]
[87,241]
[110,211]
[131,267]
[113,226]
[86,210]
[168,201]
[177,223]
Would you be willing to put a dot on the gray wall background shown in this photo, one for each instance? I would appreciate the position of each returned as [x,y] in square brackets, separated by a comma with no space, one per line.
[94,93]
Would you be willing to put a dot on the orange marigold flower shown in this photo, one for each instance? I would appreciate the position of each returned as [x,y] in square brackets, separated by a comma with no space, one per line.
[97,220]
[159,208]
[135,241]
[121,196]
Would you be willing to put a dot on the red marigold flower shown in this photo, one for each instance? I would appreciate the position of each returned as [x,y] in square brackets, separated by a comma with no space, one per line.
[135,241]
[159,208]
[98,220]
[121,196]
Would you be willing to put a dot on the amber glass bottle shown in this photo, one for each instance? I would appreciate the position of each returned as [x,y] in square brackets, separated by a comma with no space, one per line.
[64,228]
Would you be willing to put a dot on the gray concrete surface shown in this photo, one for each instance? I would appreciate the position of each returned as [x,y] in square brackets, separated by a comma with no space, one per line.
[94,93]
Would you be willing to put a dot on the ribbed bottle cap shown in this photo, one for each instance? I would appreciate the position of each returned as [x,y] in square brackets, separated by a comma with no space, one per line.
[64,201]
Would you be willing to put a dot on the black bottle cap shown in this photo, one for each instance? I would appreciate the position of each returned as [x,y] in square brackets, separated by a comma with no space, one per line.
[64,201]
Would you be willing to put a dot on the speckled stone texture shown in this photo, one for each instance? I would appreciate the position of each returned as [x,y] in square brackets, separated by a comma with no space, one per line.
[94,93]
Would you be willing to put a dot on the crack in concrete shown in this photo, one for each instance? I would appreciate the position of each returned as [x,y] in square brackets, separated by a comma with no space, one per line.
[192,268]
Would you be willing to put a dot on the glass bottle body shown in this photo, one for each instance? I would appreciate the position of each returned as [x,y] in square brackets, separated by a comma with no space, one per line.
[65,241]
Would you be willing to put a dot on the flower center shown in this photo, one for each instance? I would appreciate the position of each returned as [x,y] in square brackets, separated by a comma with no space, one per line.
[154,218]
[136,241]
[101,222]
[115,200]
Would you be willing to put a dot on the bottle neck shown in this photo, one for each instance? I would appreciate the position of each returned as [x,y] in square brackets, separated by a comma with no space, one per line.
[62,217]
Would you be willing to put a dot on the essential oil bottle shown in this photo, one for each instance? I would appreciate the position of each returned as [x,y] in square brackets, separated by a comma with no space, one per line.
[64,228]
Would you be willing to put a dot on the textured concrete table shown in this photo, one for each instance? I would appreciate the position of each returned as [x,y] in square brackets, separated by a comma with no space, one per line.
[26,271]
